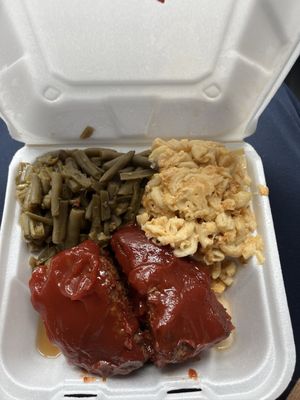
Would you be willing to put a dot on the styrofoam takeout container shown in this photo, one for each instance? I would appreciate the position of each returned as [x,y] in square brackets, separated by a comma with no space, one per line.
[135,70]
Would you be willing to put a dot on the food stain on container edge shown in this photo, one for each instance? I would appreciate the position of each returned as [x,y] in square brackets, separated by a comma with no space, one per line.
[91,378]
[43,344]
[226,343]
[88,379]
[192,373]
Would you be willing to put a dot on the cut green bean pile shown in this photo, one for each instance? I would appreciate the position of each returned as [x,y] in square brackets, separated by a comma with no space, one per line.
[68,196]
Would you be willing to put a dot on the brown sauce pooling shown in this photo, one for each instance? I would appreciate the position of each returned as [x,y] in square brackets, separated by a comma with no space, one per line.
[43,344]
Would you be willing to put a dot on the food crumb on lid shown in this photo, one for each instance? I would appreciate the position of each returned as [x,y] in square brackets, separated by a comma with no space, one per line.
[192,373]
[87,132]
[263,190]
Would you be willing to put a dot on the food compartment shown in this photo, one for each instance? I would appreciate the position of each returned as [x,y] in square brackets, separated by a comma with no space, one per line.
[246,363]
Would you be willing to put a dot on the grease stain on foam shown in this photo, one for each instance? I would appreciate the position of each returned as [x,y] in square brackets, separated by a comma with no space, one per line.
[43,344]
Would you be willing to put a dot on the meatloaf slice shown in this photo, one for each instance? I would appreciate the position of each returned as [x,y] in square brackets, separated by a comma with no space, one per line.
[183,313]
[86,312]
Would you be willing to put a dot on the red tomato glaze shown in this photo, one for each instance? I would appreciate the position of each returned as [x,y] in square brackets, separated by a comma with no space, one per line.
[86,312]
[183,313]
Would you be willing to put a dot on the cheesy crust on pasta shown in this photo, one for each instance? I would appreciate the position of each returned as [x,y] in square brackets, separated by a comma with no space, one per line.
[198,202]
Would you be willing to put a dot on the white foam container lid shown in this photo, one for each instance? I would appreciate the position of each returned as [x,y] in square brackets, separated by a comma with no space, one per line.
[135,70]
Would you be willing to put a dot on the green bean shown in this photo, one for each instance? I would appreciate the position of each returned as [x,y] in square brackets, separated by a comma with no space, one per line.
[63,154]
[45,254]
[121,208]
[24,222]
[141,161]
[105,210]
[35,192]
[40,218]
[93,152]
[77,176]
[111,162]
[97,187]
[112,203]
[45,181]
[56,187]
[60,222]
[73,186]
[74,224]
[113,189]
[106,229]
[20,177]
[28,172]
[36,228]
[126,188]
[33,263]
[22,186]
[66,192]
[96,215]
[26,205]
[97,161]
[21,196]
[71,163]
[127,169]
[115,222]
[104,153]
[86,164]
[89,209]
[137,174]
[119,163]
[109,154]
[135,202]
[46,202]
[59,166]
[50,158]
[144,153]
[80,178]
[87,132]
[123,198]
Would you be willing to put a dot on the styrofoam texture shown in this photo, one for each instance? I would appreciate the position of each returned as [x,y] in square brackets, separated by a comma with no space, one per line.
[138,69]
[259,364]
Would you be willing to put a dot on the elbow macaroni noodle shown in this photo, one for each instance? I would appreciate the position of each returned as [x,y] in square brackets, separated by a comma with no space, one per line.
[198,202]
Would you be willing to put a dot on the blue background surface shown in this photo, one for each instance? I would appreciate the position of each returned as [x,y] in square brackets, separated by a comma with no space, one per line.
[277,141]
